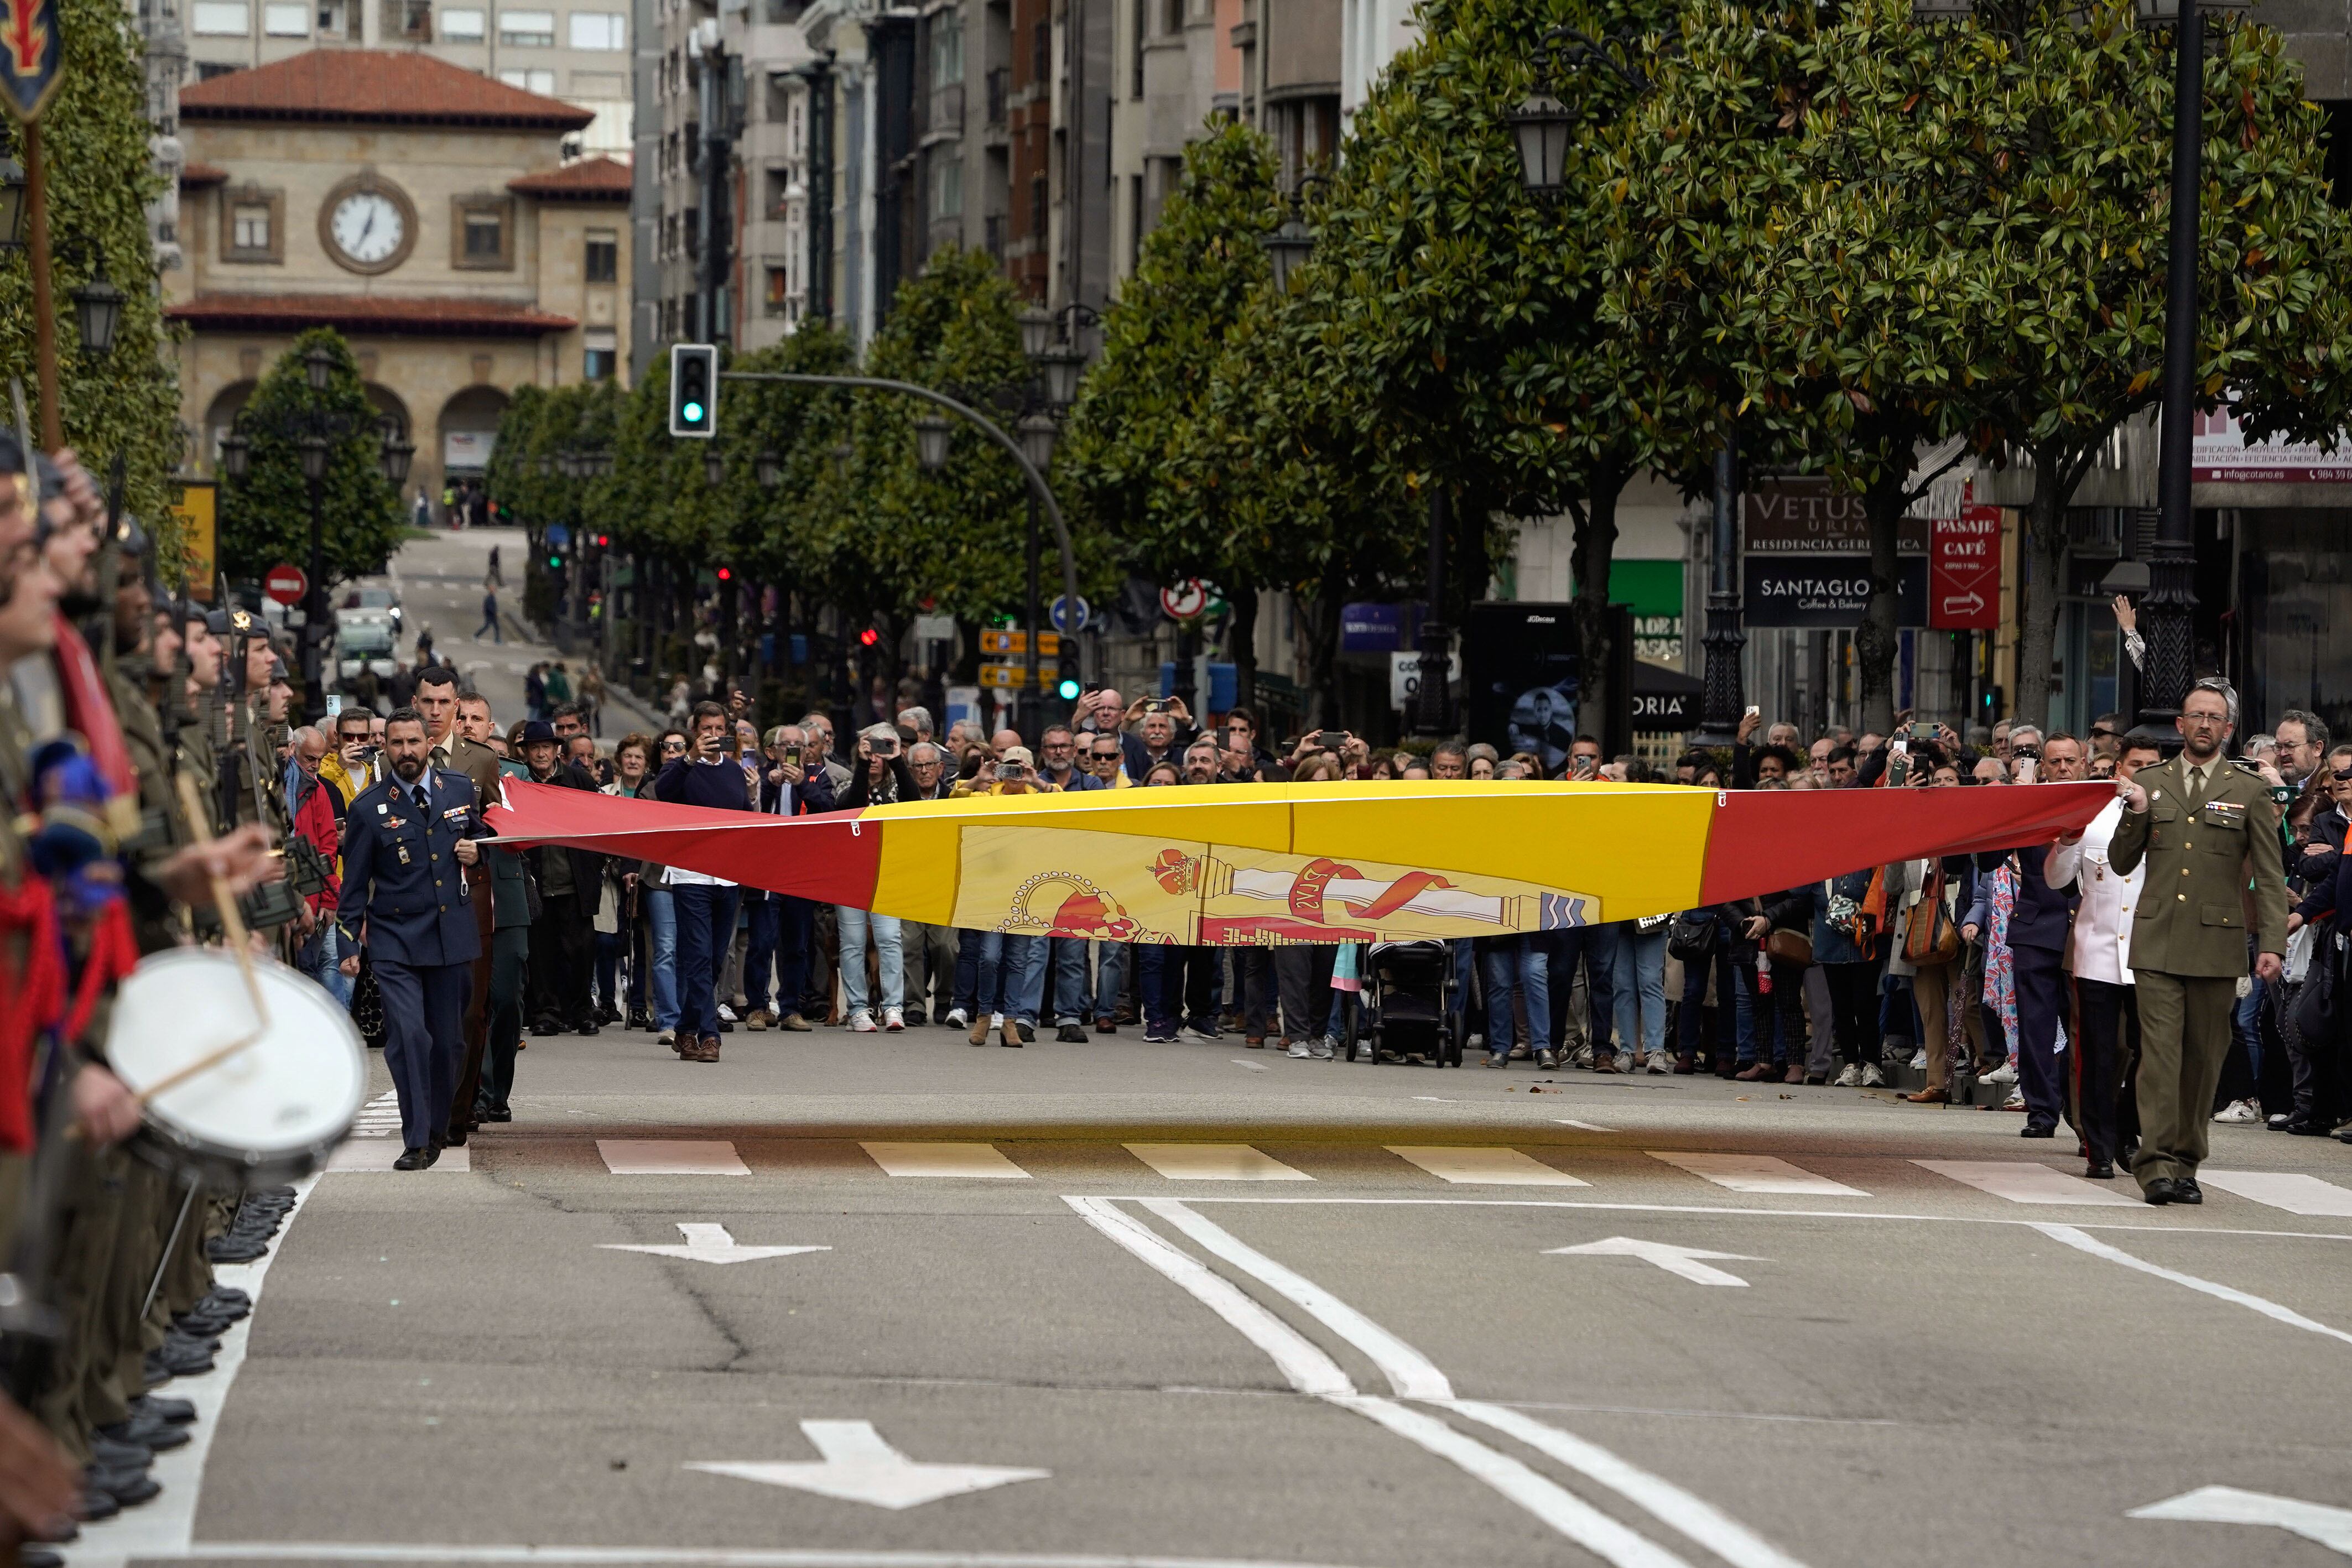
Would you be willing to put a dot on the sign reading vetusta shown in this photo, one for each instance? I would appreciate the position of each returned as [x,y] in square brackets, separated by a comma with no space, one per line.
[1806,516]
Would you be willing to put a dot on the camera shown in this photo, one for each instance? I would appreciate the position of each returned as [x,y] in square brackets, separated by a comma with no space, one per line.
[1011,772]
[883,745]
[2031,753]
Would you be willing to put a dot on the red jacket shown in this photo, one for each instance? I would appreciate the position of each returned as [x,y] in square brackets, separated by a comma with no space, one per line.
[314,819]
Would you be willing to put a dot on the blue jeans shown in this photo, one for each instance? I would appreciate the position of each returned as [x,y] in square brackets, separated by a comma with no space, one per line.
[706,926]
[765,912]
[855,923]
[1509,964]
[1640,988]
[997,962]
[1073,1000]
[661,924]
[321,958]
[1596,946]
[1025,966]
[610,944]
[1110,961]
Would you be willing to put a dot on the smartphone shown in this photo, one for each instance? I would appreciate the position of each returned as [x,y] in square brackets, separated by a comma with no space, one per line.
[2028,763]
[1923,732]
[1753,710]
[884,746]
[792,757]
[334,707]
[1011,772]
[1156,704]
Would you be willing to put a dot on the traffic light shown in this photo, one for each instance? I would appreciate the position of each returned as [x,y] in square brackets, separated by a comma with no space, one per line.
[726,574]
[1067,689]
[693,390]
[868,638]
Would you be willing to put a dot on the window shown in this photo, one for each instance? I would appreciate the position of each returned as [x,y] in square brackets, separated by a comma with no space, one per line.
[541,82]
[223,20]
[599,30]
[526,29]
[483,232]
[330,18]
[253,226]
[602,264]
[779,289]
[464,26]
[1041,52]
[1173,20]
[1135,88]
[947,189]
[1038,208]
[287,19]
[416,21]
[947,49]
[599,355]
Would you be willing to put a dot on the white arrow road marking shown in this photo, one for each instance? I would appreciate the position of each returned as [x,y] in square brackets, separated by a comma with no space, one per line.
[2330,1527]
[2082,1242]
[1674,1260]
[859,1467]
[709,1244]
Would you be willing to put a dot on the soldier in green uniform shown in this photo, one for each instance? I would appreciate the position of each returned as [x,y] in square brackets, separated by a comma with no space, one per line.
[2209,832]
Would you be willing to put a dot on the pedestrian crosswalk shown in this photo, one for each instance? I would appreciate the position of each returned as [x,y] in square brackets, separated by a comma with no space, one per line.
[1671,1178]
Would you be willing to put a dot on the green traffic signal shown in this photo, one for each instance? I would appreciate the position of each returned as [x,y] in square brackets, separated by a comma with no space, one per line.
[555,563]
[1068,689]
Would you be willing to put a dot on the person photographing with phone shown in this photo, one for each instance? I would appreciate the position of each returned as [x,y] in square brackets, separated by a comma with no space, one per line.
[880,777]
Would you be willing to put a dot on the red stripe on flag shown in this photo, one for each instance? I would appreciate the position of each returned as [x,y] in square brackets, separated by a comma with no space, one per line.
[831,859]
[1762,840]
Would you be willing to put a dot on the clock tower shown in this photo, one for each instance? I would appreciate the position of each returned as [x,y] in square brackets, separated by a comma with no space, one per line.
[427,212]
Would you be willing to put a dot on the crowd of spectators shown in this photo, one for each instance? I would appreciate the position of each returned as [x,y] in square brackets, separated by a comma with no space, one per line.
[1812,985]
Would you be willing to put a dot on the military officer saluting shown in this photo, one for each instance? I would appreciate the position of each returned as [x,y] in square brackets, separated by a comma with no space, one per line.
[2209,833]
[407,842]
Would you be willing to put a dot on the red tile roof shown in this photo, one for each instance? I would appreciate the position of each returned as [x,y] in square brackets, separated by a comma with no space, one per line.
[589,180]
[382,86]
[194,175]
[368,315]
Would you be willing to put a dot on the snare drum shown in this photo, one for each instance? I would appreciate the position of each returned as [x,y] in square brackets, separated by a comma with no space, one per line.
[268,1114]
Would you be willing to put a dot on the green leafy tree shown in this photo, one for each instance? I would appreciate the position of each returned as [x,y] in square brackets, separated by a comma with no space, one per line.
[1450,323]
[1126,455]
[123,404]
[265,517]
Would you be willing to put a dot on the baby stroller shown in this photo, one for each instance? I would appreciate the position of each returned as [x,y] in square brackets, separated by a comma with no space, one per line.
[1408,1006]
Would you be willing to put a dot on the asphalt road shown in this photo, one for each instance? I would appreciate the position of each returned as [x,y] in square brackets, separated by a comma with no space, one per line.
[885,1299]
[440,581]
[1196,1305]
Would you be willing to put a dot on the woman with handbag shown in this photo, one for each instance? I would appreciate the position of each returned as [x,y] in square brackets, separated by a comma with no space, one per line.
[1779,948]
[1926,948]
[1845,945]
[1702,939]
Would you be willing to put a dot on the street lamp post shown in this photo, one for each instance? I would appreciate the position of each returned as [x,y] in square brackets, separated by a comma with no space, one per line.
[1722,704]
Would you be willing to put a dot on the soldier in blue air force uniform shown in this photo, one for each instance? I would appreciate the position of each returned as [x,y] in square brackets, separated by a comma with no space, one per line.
[406,844]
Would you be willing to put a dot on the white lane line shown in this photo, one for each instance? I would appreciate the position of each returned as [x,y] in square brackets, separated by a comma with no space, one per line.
[2314,1521]
[2295,1194]
[1214,1162]
[1758,1173]
[1411,1374]
[1588,1127]
[1414,1376]
[2077,1239]
[1311,1371]
[680,1556]
[166,1526]
[1694,1516]
[1306,1367]
[945,1160]
[670,1156]
[1253,1066]
[362,1152]
[2026,1181]
[1491,1168]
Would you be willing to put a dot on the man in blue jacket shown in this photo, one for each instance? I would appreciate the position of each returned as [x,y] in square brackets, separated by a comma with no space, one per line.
[407,843]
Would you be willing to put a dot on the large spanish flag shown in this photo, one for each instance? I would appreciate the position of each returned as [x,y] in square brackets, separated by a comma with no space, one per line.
[1263,864]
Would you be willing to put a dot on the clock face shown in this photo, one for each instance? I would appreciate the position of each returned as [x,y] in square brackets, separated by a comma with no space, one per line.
[367,226]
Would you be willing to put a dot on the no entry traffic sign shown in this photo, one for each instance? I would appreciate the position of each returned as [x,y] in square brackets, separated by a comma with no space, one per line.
[286,583]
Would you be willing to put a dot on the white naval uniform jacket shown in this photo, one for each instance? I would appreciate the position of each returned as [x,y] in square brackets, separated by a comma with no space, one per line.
[2100,948]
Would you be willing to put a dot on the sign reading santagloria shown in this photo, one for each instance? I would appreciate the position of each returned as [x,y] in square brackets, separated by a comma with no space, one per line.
[1828,590]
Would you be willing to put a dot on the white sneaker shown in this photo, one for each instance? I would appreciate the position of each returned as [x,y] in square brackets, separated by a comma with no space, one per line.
[1580,1057]
[2237,1110]
[2005,1073]
[861,1021]
[728,1013]
[1850,1079]
[1870,1077]
[1919,1059]
[1298,1049]
[894,1018]
[1658,1062]
[956,1019]
[2016,1101]
[1323,1049]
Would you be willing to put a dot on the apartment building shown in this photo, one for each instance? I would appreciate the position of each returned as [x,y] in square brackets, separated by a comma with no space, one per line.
[574,50]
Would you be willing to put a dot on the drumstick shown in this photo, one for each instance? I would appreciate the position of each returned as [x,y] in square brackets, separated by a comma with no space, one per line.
[233,924]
